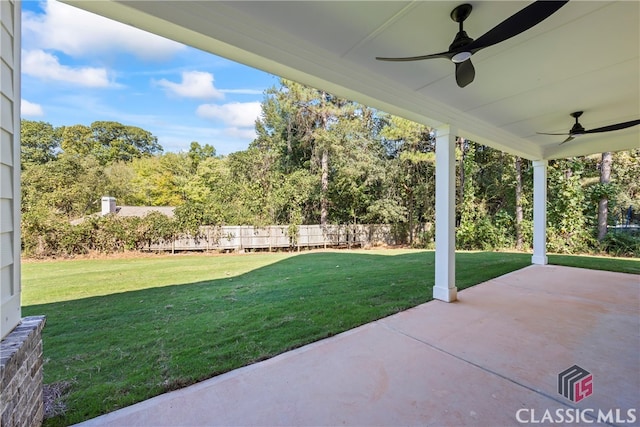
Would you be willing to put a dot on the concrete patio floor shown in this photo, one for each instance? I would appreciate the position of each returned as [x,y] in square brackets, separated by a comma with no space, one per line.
[490,359]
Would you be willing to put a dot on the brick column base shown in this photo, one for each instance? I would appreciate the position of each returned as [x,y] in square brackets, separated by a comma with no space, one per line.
[21,374]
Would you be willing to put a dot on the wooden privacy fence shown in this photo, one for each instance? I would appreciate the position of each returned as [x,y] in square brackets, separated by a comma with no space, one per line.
[247,237]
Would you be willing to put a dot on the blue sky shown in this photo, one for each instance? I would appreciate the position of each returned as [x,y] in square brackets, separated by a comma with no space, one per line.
[78,68]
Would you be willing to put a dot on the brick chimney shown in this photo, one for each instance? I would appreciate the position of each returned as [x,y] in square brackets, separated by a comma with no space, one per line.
[108,205]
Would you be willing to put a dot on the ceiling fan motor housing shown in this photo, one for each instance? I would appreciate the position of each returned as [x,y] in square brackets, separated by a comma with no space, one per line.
[461,40]
[576,129]
[459,14]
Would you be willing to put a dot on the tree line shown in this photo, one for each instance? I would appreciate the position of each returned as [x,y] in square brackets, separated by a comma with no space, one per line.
[317,159]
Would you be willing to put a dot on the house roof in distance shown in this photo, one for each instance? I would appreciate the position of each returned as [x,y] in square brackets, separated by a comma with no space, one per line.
[141,211]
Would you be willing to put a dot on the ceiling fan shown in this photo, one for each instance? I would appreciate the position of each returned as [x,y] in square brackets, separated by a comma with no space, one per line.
[577,129]
[463,46]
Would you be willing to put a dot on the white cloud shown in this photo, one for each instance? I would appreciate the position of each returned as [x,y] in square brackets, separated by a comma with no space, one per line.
[235,114]
[30,109]
[77,32]
[243,91]
[242,133]
[195,84]
[38,63]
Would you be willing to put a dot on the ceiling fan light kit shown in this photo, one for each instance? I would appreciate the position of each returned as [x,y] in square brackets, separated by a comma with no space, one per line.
[461,57]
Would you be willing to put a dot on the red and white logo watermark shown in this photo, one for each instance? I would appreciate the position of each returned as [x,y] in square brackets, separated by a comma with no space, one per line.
[575,383]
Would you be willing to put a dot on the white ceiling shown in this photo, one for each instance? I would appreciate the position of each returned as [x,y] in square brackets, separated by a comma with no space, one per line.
[584,57]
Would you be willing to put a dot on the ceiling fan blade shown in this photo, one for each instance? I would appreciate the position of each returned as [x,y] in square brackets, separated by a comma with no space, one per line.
[544,133]
[417,58]
[570,138]
[617,126]
[527,18]
[465,73]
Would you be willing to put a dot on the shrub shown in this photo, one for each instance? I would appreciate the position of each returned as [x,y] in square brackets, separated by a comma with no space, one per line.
[51,235]
[484,234]
[569,240]
[622,244]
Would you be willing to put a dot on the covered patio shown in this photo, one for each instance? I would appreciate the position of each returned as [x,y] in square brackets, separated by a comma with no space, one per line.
[495,361]
[501,347]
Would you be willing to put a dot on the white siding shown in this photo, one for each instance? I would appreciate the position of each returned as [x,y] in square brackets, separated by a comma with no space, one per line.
[9,165]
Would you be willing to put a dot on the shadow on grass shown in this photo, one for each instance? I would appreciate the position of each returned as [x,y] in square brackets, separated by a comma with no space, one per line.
[122,348]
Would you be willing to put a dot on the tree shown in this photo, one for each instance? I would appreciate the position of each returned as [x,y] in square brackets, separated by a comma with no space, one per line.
[567,230]
[316,158]
[310,129]
[411,150]
[109,142]
[253,179]
[518,201]
[70,186]
[78,139]
[625,172]
[164,180]
[120,177]
[39,142]
[357,173]
[117,142]
[197,153]
[605,178]
[488,203]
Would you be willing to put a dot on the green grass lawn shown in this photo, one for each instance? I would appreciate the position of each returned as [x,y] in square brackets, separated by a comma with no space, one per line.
[120,331]
[623,265]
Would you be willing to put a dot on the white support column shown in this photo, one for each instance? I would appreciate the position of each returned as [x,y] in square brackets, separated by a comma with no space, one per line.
[445,283]
[539,212]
